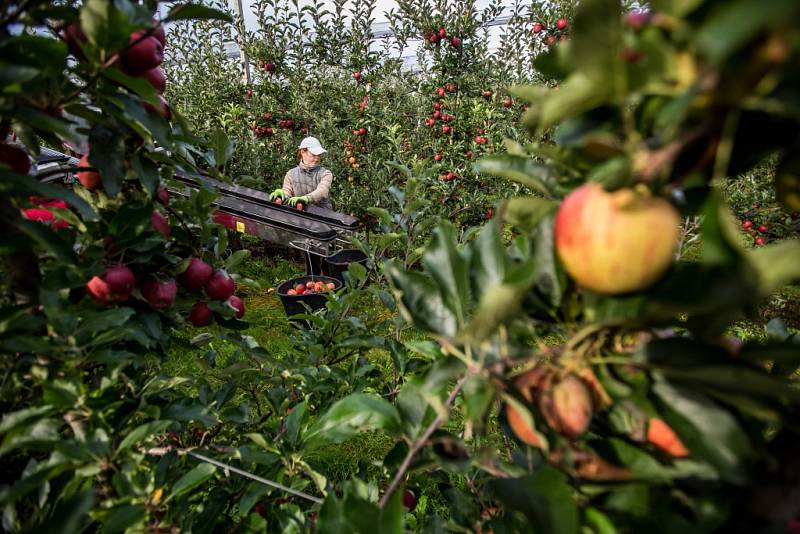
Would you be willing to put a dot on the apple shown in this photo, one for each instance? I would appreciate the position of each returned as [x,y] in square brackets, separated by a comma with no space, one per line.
[196,275]
[249,92]
[451,176]
[237,304]
[437,114]
[310,284]
[446,129]
[158,33]
[268,131]
[163,108]
[160,223]
[489,213]
[550,40]
[200,314]
[455,42]
[747,224]
[269,67]
[120,280]
[437,157]
[156,78]
[291,292]
[267,116]
[561,24]
[75,38]
[220,286]
[99,290]
[437,106]
[88,179]
[507,102]
[763,229]
[146,54]
[300,206]
[451,88]
[163,195]
[440,91]
[159,294]
[487,94]
[362,131]
[355,132]
[760,241]
[278,200]
[260,509]
[430,122]
[357,76]
[442,33]
[537,27]
[434,38]
[15,158]
[300,288]
[331,285]
[636,20]
[409,499]
[617,242]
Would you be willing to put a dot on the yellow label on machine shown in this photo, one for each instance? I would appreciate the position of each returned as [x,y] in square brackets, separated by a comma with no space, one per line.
[240,227]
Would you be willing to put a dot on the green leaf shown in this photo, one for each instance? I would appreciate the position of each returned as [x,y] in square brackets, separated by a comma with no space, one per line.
[192,479]
[355,515]
[527,212]
[294,421]
[350,416]
[104,24]
[544,497]
[142,432]
[597,40]
[737,22]
[120,518]
[236,258]
[147,170]
[138,85]
[197,12]
[223,147]
[48,240]
[777,265]
[419,301]
[519,169]
[448,268]
[106,154]
[708,431]
[13,419]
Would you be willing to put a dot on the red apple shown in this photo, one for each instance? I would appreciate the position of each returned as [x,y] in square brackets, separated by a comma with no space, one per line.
[636,20]
[409,499]
[158,33]
[487,94]
[331,285]
[75,38]
[440,91]
[237,304]
[507,102]
[561,24]
[362,131]
[451,88]
[160,223]
[747,224]
[763,229]
[489,213]
[159,294]
[300,206]
[300,288]
[144,55]
[760,241]
[16,159]
[200,314]
[446,129]
[88,179]
[437,114]
[99,290]
[434,38]
[550,40]
[430,122]
[156,78]
[437,157]
[120,280]
[616,242]
[437,106]
[537,27]
[196,275]
[269,67]
[357,75]
[455,42]
[442,33]
[163,108]
[163,195]
[221,286]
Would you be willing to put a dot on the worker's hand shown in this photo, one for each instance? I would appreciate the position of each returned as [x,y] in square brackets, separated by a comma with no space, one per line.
[278,193]
[294,200]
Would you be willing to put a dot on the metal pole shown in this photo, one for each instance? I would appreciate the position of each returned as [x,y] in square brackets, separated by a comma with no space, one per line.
[242,54]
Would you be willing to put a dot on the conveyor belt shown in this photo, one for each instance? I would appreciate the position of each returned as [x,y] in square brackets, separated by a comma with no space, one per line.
[254,196]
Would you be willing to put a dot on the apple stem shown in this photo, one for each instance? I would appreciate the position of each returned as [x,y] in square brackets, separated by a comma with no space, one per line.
[419,443]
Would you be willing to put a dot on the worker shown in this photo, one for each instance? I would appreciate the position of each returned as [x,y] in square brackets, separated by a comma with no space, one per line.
[309,182]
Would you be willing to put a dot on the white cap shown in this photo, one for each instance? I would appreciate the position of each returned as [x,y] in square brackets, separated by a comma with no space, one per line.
[313,146]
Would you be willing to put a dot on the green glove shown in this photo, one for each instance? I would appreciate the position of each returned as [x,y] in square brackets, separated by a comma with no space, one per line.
[294,200]
[277,193]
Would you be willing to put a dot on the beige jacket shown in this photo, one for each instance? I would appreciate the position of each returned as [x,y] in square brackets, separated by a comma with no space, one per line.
[313,182]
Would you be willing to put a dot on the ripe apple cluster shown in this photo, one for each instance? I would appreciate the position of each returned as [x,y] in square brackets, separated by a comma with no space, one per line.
[557,32]
[311,287]
[435,37]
